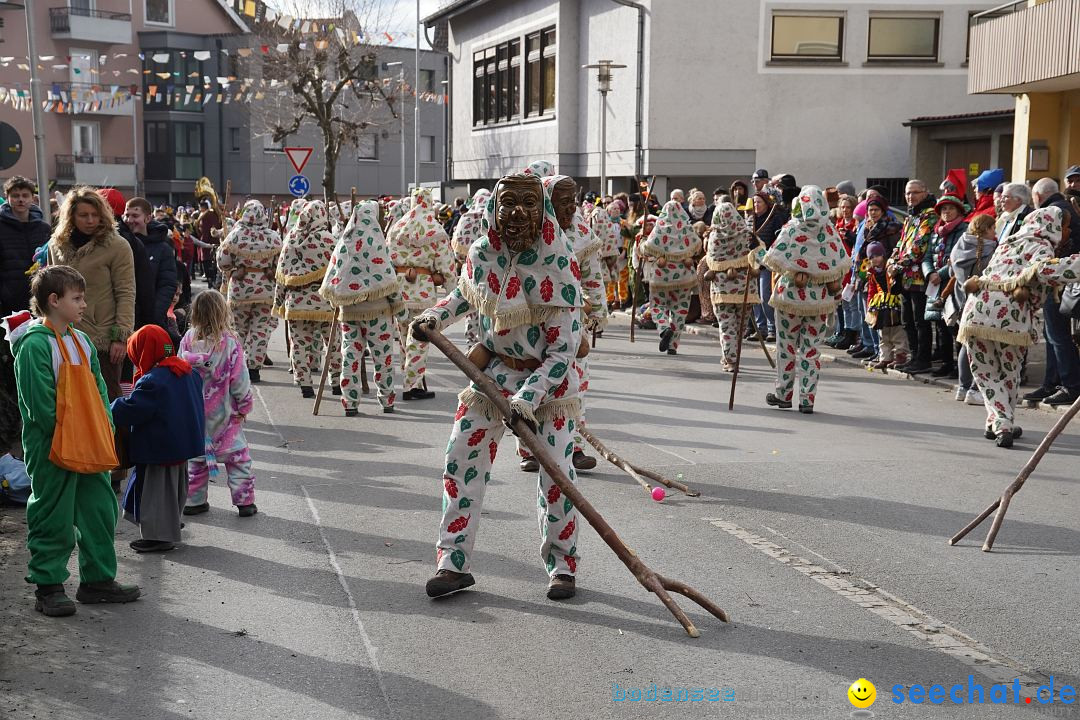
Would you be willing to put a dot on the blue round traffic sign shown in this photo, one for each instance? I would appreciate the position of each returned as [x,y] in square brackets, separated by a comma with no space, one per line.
[299,185]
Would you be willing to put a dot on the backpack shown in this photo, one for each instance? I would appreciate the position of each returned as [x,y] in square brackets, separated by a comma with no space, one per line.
[14,482]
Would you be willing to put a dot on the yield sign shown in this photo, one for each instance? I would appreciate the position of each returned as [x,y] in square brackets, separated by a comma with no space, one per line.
[298,156]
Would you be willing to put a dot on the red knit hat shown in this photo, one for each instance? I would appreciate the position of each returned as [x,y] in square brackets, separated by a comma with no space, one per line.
[115,199]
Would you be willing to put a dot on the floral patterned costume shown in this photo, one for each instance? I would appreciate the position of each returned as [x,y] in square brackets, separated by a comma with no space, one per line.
[227,399]
[465,234]
[419,249]
[809,247]
[362,282]
[303,263]
[668,255]
[606,229]
[247,260]
[995,326]
[529,305]
[728,250]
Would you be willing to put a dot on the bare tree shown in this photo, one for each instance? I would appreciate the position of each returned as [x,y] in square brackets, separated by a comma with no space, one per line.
[329,79]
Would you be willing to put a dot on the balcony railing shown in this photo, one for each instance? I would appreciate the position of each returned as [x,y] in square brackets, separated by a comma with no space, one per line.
[87,93]
[60,17]
[96,26]
[1014,47]
[91,169]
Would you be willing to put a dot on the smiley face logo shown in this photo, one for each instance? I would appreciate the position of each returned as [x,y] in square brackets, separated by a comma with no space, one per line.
[862,693]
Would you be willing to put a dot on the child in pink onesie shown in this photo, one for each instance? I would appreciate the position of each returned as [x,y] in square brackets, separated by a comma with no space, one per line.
[215,353]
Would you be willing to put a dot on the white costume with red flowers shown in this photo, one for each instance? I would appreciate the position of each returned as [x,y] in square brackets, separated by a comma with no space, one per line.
[529,305]
[362,281]
[809,248]
[419,250]
[669,269]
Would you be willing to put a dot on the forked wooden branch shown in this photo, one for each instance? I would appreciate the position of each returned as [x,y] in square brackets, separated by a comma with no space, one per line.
[1002,503]
[650,580]
[633,470]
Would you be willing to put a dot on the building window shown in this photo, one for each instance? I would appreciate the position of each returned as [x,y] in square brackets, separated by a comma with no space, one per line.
[496,83]
[234,139]
[159,12]
[157,138]
[427,148]
[540,72]
[894,189]
[272,147]
[427,80]
[1,29]
[187,143]
[166,84]
[903,38]
[807,37]
[367,148]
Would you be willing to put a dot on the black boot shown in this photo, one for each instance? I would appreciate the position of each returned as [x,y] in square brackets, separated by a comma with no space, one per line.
[253,374]
[849,338]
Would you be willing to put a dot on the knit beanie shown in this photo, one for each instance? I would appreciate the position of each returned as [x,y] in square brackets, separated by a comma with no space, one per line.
[875,249]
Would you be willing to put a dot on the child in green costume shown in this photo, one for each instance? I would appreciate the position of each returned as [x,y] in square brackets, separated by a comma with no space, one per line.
[65,507]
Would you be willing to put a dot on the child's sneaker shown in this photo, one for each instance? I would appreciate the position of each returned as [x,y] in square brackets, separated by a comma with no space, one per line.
[961,393]
[247,510]
[109,591]
[51,601]
[973,397]
[197,509]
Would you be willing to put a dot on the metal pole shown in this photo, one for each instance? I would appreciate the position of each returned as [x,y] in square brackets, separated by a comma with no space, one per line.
[416,108]
[135,125]
[603,144]
[39,121]
[401,91]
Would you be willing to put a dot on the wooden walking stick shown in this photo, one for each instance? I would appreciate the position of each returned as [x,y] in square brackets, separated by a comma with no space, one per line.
[326,361]
[656,584]
[1002,503]
[633,470]
[764,347]
[738,340]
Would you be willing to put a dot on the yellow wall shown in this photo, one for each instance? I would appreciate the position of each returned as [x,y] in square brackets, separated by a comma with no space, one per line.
[1052,119]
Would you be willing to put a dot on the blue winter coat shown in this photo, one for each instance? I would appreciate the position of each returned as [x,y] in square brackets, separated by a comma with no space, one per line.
[165,417]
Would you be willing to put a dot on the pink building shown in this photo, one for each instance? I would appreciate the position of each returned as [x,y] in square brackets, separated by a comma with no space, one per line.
[93,80]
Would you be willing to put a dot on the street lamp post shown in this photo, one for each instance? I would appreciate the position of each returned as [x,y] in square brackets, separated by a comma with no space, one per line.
[604,68]
[416,109]
[401,113]
[35,101]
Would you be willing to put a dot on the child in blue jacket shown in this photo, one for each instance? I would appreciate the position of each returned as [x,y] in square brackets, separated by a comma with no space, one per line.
[166,420]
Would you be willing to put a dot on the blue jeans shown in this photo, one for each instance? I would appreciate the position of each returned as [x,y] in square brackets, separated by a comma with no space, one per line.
[866,333]
[1062,357]
[763,313]
[967,379]
[853,318]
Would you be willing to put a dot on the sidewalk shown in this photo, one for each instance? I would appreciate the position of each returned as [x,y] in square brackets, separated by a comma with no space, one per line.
[1036,362]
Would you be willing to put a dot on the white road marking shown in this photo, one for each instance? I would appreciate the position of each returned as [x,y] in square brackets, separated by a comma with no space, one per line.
[332,556]
[663,450]
[927,629]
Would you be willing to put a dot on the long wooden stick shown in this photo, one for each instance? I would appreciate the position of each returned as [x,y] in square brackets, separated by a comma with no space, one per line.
[633,470]
[656,584]
[764,347]
[738,340]
[326,361]
[634,303]
[1002,503]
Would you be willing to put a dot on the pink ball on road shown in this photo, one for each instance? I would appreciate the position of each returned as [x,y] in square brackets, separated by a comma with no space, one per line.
[658,494]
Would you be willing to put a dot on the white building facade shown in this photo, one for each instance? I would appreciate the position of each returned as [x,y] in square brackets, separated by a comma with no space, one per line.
[817,89]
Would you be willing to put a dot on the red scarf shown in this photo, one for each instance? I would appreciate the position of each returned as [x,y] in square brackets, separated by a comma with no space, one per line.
[150,346]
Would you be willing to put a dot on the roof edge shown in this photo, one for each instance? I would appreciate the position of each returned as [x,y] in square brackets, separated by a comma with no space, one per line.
[449,10]
[962,118]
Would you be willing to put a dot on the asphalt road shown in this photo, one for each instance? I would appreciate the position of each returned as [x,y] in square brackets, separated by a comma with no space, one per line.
[823,536]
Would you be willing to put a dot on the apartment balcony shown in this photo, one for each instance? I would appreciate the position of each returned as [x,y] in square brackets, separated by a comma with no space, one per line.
[90,26]
[93,99]
[1017,48]
[96,170]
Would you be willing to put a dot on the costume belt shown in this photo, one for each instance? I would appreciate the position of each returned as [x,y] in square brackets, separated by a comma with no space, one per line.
[529,364]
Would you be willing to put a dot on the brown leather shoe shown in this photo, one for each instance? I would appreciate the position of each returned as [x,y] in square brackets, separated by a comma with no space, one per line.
[582,461]
[448,581]
[561,587]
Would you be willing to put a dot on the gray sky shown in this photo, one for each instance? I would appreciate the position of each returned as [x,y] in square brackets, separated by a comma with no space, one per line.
[396,15]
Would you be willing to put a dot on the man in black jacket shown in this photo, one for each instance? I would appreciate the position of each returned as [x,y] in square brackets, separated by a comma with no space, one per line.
[22,230]
[161,256]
